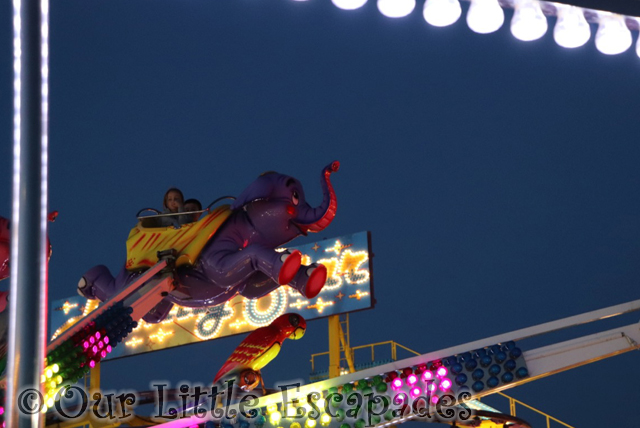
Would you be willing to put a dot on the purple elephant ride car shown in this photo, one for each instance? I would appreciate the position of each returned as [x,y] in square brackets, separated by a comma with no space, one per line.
[240,257]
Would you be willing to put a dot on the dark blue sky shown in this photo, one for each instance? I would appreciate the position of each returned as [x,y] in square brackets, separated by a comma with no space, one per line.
[499,178]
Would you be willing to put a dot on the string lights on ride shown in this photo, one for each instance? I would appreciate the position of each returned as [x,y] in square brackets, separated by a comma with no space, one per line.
[529,21]
[261,318]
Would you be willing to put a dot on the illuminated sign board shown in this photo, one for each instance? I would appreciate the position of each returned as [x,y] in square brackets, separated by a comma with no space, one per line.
[348,288]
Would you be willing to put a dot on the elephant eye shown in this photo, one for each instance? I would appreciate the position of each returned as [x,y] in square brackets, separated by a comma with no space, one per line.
[295,198]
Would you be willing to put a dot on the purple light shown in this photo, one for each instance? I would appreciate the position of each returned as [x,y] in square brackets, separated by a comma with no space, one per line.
[415,392]
[445,384]
[442,372]
[426,376]
[412,379]
[397,383]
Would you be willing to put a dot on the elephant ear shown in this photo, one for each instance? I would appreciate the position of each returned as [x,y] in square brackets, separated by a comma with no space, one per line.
[261,188]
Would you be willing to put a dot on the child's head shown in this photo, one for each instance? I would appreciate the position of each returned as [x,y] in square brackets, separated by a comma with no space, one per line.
[193,205]
[173,200]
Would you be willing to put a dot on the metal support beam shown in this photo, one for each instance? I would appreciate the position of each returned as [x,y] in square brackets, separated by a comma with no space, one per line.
[28,290]
[334,346]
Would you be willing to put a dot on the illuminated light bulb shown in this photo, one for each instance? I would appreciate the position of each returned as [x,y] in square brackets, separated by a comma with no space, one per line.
[55,368]
[442,372]
[445,384]
[431,387]
[106,340]
[59,379]
[103,354]
[95,349]
[109,348]
[412,380]
[48,373]
[52,385]
[97,335]
[325,420]
[397,383]
[310,423]
[485,16]
[349,4]
[613,36]
[415,392]
[396,8]
[1,411]
[441,13]
[43,378]
[435,399]
[321,403]
[426,376]
[275,418]
[85,344]
[92,340]
[572,29]
[528,23]
[92,363]
[271,408]
[100,345]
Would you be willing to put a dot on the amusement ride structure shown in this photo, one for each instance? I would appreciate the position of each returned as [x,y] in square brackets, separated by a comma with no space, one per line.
[236,252]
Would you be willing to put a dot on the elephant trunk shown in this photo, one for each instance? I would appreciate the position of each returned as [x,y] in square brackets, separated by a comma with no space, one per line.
[319,218]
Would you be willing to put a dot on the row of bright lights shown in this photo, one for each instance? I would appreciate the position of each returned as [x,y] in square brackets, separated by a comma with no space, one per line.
[528,23]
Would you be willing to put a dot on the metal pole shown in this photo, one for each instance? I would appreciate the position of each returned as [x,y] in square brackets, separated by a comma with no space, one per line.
[28,293]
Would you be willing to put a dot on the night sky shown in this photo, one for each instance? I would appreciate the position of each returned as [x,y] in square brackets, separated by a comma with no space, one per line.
[499,178]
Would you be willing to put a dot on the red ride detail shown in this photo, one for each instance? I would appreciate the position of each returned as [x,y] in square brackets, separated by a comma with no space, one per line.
[290,267]
[315,282]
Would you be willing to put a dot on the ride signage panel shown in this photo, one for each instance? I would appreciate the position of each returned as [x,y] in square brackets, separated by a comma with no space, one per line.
[348,289]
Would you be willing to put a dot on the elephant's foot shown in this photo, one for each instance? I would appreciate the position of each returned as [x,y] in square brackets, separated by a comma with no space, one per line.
[85,289]
[310,280]
[290,266]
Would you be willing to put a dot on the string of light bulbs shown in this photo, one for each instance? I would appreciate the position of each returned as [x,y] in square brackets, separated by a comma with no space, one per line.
[529,22]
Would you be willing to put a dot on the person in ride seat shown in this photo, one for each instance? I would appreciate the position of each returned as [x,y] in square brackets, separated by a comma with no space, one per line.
[173,203]
[193,205]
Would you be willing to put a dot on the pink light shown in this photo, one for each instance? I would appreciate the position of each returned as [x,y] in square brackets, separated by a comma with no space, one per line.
[412,379]
[397,383]
[95,349]
[92,364]
[400,398]
[442,372]
[431,387]
[194,426]
[106,340]
[100,345]
[427,376]
[92,340]
[103,354]
[1,411]
[445,384]
[434,399]
[415,392]
[97,335]
[85,344]
[109,348]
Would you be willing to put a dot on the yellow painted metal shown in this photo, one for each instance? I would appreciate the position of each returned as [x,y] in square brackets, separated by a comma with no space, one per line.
[344,340]
[144,243]
[334,346]
[513,402]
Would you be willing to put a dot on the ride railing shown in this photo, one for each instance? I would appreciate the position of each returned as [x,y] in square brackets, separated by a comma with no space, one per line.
[393,348]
